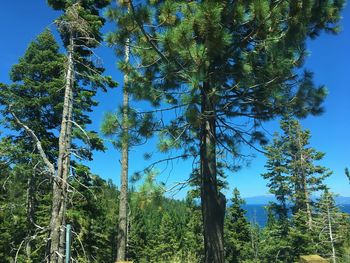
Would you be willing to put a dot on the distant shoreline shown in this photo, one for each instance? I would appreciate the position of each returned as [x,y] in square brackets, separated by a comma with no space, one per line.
[256,213]
[266,199]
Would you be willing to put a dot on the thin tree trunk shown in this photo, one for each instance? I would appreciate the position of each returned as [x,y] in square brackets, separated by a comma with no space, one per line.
[307,204]
[305,193]
[30,213]
[57,233]
[331,238]
[123,198]
[212,201]
[254,242]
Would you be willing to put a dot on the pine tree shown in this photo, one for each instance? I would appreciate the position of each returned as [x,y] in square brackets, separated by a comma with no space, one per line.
[133,128]
[137,235]
[213,62]
[168,243]
[276,243]
[88,74]
[33,99]
[125,146]
[193,237]
[330,227]
[93,215]
[237,230]
[305,176]
[255,242]
[123,204]
[294,176]
[33,107]
[277,175]
[145,219]
[79,28]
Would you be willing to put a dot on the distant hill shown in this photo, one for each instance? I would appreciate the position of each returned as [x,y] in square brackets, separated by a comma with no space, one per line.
[265,199]
[342,200]
[260,199]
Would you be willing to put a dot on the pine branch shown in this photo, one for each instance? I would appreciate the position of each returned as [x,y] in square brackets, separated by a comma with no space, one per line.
[169,159]
[178,186]
[239,133]
[149,39]
[163,109]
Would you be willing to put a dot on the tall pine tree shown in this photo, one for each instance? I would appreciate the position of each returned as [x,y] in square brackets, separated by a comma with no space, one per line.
[214,64]
[79,27]
[33,99]
[109,128]
[294,176]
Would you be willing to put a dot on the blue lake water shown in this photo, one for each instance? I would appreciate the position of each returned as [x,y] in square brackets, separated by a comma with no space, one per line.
[257,213]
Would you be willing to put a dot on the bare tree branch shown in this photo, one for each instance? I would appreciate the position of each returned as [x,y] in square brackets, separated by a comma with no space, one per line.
[38,144]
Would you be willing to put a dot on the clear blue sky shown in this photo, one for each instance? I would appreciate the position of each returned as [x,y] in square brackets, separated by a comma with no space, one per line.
[329,59]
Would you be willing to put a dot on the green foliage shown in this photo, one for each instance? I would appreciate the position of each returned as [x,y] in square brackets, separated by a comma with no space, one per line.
[276,243]
[211,67]
[81,20]
[36,98]
[12,215]
[293,175]
[192,244]
[237,231]
[140,128]
[188,53]
[36,92]
[232,47]
[298,225]
[92,212]
[162,229]
[331,227]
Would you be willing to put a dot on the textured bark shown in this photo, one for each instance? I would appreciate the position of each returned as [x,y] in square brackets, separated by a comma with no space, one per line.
[57,233]
[212,201]
[123,199]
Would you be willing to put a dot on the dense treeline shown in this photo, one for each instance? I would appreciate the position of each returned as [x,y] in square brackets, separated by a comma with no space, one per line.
[211,72]
[166,230]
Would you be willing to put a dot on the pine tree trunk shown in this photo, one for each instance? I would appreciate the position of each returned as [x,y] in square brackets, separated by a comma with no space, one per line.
[57,232]
[212,201]
[305,195]
[123,199]
[306,201]
[330,229]
[254,243]
[30,214]
[307,205]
